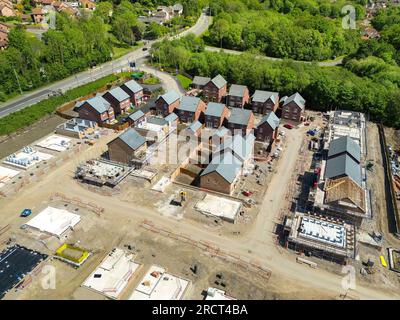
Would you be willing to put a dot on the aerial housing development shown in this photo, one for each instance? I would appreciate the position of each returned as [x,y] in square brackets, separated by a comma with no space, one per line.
[152,177]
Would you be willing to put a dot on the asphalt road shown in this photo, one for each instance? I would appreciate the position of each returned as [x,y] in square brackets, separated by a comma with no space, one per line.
[90,75]
[321,63]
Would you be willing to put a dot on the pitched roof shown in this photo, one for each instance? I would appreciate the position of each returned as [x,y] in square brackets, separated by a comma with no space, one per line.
[296,98]
[263,96]
[119,94]
[157,120]
[215,109]
[171,117]
[237,90]
[98,103]
[225,165]
[189,103]
[170,97]
[133,86]
[344,144]
[221,132]
[241,146]
[343,165]
[201,81]
[219,81]
[132,138]
[136,115]
[271,119]
[240,116]
[194,126]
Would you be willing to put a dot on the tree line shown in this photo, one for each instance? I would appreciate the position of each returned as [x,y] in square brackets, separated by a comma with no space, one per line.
[324,88]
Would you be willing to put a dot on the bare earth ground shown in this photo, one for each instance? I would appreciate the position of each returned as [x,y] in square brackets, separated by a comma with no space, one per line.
[120,224]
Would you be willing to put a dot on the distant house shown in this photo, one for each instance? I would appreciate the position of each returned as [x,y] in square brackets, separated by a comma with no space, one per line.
[118,99]
[265,101]
[96,109]
[267,129]
[87,4]
[167,103]
[190,109]
[241,119]
[238,96]
[177,8]
[37,15]
[137,118]
[199,82]
[215,115]
[6,10]
[293,107]
[215,89]
[134,90]
[128,146]
[172,120]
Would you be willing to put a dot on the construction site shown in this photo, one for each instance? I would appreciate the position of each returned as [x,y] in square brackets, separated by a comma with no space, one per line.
[118,229]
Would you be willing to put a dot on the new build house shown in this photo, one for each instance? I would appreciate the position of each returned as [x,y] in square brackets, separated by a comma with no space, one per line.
[199,82]
[96,109]
[267,128]
[167,103]
[118,99]
[238,96]
[134,90]
[137,118]
[215,115]
[127,147]
[264,101]
[215,89]
[241,119]
[293,107]
[190,109]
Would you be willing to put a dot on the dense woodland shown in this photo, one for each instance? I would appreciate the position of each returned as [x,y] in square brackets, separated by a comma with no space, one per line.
[80,42]
[297,29]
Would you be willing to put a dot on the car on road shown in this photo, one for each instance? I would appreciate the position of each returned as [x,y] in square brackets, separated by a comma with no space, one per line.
[288,126]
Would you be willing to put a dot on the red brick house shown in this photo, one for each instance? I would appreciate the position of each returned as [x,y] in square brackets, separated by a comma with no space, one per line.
[238,96]
[293,107]
[190,109]
[199,82]
[96,109]
[167,103]
[119,100]
[241,119]
[267,129]
[265,101]
[137,119]
[215,89]
[134,90]
[215,115]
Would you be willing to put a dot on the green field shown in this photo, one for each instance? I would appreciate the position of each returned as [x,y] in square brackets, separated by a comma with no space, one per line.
[184,81]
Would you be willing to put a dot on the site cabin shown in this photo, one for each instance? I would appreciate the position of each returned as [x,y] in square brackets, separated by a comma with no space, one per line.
[215,89]
[264,101]
[127,147]
[241,120]
[37,15]
[137,118]
[167,103]
[190,109]
[215,115]
[221,175]
[119,100]
[134,90]
[96,109]
[293,107]
[267,129]
[238,96]
[199,82]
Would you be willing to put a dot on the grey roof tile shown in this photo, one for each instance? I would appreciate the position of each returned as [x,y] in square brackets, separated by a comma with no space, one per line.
[119,94]
[136,115]
[219,81]
[240,116]
[298,99]
[271,119]
[200,81]
[170,97]
[343,165]
[214,109]
[225,165]
[263,96]
[189,103]
[132,138]
[237,90]
[133,86]
[98,103]
[344,144]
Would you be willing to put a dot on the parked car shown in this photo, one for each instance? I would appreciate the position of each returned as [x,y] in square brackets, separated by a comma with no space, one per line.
[26,213]
[288,126]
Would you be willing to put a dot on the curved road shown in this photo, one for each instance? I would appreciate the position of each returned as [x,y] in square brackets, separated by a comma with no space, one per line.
[321,64]
[90,75]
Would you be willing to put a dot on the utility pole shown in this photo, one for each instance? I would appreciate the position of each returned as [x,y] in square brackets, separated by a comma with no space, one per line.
[16,76]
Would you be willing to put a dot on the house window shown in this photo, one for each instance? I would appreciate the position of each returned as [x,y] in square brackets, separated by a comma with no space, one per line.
[209,124]
[260,130]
